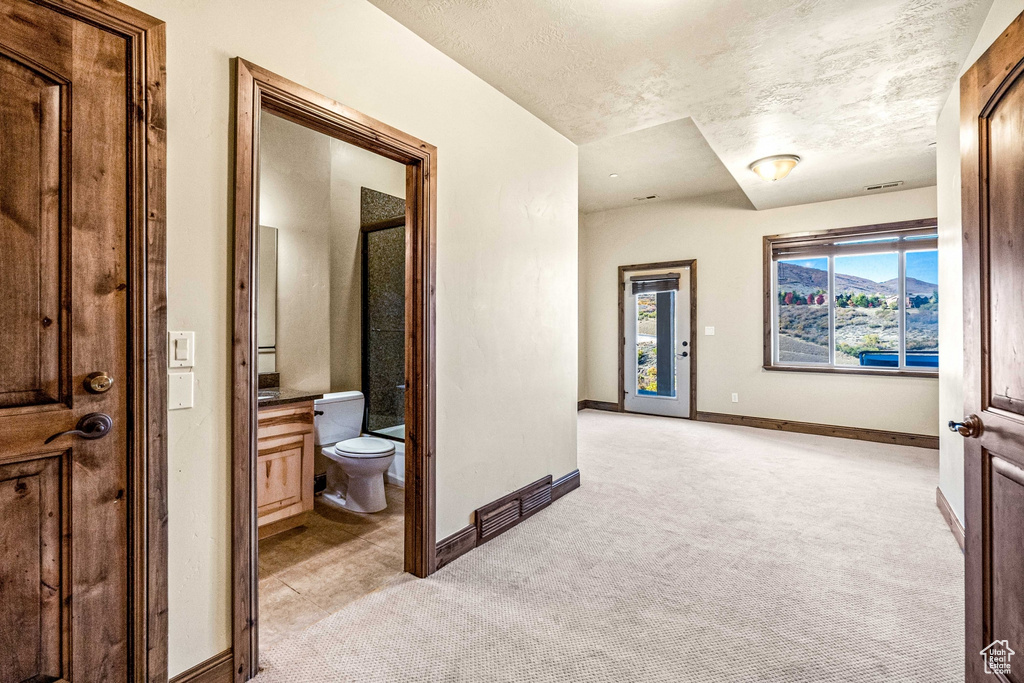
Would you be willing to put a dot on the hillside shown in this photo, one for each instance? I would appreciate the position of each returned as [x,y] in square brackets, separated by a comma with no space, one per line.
[802,280]
[914,286]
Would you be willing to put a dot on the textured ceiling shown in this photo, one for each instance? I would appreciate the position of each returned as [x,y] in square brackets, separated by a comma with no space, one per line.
[672,161]
[852,86]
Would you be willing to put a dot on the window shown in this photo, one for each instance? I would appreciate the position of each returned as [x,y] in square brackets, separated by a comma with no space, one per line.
[854,300]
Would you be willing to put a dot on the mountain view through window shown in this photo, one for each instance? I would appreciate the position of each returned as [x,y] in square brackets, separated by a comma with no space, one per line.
[867,310]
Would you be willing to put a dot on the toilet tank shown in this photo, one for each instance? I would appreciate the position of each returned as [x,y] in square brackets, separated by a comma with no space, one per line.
[342,417]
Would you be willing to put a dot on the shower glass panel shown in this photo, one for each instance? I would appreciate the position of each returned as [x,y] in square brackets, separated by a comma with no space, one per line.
[384,313]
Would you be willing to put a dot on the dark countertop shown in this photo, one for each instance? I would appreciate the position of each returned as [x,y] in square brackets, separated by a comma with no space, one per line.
[279,396]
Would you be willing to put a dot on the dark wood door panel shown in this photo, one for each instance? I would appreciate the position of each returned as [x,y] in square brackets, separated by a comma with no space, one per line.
[1003,157]
[64,275]
[38,34]
[32,639]
[1006,548]
[33,349]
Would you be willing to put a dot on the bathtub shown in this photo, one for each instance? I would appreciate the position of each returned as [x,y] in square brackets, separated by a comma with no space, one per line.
[396,473]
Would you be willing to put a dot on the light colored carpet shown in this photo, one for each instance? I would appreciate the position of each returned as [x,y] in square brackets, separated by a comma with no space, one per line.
[692,553]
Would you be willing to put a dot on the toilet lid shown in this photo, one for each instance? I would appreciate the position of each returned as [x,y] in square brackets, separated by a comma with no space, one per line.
[365,447]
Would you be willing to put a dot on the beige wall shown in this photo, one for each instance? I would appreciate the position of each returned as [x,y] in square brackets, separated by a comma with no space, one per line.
[725,236]
[310,187]
[951,339]
[506,262]
[352,168]
[581,342]
[295,198]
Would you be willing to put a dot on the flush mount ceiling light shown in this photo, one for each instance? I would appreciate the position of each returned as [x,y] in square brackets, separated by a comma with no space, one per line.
[613,175]
[776,167]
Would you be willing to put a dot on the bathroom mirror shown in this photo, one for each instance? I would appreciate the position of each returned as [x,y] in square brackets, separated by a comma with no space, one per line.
[266,301]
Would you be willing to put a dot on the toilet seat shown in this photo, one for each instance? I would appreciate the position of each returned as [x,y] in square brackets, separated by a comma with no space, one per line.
[365,447]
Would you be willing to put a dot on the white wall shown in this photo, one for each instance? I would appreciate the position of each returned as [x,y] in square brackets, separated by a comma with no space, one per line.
[295,198]
[725,236]
[352,168]
[951,339]
[506,261]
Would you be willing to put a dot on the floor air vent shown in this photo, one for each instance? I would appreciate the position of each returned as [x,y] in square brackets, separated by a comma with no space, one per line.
[498,520]
[536,500]
[506,512]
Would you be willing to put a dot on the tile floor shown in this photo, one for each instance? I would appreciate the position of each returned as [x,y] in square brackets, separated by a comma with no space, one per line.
[337,557]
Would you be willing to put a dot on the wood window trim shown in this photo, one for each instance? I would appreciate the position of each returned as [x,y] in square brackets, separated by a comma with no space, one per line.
[691,264]
[258,89]
[768,243]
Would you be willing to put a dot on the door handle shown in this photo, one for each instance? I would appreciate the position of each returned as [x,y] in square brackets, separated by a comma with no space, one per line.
[92,426]
[684,354]
[970,427]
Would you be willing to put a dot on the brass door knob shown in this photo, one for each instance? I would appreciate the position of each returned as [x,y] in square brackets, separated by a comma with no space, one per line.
[970,427]
[98,383]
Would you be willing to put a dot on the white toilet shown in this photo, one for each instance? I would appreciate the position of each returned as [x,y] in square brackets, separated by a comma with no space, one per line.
[355,464]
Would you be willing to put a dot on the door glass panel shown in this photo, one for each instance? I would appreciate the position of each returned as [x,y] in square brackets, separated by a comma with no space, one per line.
[867,303]
[30,229]
[922,310]
[802,290]
[655,344]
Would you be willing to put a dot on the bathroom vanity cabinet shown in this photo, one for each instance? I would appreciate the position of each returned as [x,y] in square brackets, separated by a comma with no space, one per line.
[284,466]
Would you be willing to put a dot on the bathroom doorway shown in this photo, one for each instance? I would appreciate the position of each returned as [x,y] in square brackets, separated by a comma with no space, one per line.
[333,358]
[657,322]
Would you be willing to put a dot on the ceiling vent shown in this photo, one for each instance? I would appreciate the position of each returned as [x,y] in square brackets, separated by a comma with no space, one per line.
[883,186]
[645,199]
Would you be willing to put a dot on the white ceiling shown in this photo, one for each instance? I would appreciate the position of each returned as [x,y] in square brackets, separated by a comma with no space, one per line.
[672,161]
[852,86]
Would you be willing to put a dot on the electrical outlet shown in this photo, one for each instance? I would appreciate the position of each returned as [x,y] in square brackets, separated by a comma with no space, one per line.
[735,398]
[709,331]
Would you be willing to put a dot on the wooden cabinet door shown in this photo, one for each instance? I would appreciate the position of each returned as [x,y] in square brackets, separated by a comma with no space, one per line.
[284,466]
[64,183]
[992,149]
[279,473]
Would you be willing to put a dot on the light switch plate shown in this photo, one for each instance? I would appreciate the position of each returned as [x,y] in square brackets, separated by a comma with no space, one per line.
[709,331]
[180,392]
[181,349]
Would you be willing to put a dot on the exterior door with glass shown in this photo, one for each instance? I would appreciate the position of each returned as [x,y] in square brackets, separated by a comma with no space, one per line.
[657,351]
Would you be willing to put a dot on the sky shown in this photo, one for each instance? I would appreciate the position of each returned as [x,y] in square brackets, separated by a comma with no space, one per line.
[921,265]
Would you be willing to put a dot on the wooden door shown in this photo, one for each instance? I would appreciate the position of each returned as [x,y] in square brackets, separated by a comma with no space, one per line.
[64,273]
[992,149]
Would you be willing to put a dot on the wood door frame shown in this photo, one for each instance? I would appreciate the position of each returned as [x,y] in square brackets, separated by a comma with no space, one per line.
[146,385]
[258,89]
[692,265]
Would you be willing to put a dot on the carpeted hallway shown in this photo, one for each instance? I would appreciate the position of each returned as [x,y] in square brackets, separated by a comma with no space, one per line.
[692,552]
